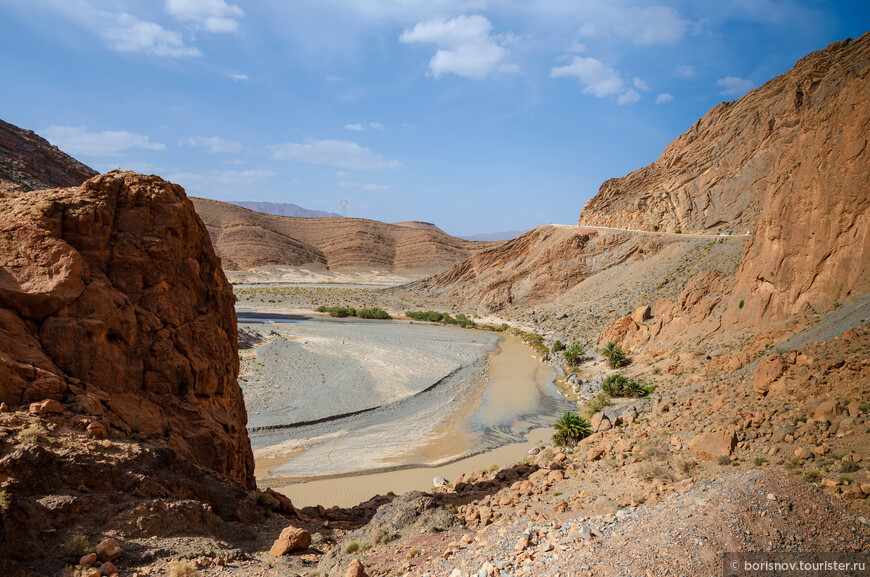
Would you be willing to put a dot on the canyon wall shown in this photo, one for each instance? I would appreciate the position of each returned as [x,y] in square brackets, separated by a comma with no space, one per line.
[113,302]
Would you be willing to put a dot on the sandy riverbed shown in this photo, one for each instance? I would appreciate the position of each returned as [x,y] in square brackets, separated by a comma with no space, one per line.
[424,395]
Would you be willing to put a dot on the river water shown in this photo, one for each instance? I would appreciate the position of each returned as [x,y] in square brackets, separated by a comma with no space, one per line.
[487,402]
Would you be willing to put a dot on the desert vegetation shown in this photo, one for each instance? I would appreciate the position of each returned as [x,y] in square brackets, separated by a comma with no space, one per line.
[363,313]
[570,428]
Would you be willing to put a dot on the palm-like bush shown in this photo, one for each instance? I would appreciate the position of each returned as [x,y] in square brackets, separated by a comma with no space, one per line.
[617,385]
[614,354]
[570,428]
[573,354]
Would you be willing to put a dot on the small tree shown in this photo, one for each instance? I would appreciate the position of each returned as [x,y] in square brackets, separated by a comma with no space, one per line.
[573,354]
[570,428]
[614,354]
[558,346]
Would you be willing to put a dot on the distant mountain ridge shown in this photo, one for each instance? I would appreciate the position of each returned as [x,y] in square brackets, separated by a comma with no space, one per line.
[282,209]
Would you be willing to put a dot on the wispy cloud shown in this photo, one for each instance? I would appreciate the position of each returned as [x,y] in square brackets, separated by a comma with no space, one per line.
[238,77]
[366,187]
[127,33]
[354,127]
[214,144]
[734,85]
[210,15]
[664,98]
[338,153]
[646,26]
[598,79]
[685,71]
[77,140]
[465,46]
[220,182]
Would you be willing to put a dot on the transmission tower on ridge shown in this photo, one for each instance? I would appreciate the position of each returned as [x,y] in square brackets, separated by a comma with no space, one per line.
[344,208]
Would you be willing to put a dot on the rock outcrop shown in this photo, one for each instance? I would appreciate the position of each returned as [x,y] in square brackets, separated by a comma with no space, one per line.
[803,131]
[245,240]
[113,302]
[539,265]
[29,162]
[789,160]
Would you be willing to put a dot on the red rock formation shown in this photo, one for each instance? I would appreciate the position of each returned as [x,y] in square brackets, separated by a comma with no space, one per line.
[112,300]
[29,162]
[245,239]
[803,132]
[538,265]
[795,152]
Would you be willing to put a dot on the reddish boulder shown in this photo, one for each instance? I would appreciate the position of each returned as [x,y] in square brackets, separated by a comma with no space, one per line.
[114,298]
[768,371]
[711,446]
[291,538]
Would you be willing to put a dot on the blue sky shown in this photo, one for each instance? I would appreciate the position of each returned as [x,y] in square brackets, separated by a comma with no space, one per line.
[477,115]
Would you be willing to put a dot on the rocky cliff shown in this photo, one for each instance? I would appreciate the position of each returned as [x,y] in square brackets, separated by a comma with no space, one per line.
[538,265]
[29,162]
[113,302]
[810,198]
[803,132]
[245,239]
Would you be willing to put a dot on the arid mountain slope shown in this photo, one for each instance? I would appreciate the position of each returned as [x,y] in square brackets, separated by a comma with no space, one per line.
[29,162]
[811,247]
[539,265]
[245,239]
[112,300]
[803,130]
[787,161]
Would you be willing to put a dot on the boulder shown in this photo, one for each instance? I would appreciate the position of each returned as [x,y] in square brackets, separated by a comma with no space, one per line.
[356,569]
[108,550]
[641,314]
[711,446]
[769,369]
[827,410]
[603,506]
[595,453]
[291,538]
[47,407]
[108,568]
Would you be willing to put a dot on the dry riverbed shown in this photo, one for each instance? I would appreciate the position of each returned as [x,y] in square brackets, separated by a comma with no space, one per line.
[342,409]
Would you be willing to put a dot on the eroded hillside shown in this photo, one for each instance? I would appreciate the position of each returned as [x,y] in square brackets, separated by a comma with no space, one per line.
[248,240]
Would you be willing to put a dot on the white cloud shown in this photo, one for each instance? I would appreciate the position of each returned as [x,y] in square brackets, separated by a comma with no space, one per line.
[77,140]
[376,126]
[598,80]
[354,127]
[239,77]
[338,153]
[220,181]
[127,33]
[215,144]
[465,47]
[664,98]
[210,15]
[366,187]
[630,96]
[640,84]
[685,71]
[733,85]
[643,26]
[342,174]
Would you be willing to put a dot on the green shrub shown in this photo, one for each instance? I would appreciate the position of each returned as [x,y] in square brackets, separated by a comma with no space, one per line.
[558,346]
[351,548]
[384,535]
[740,304]
[849,467]
[570,428]
[813,476]
[415,552]
[614,354]
[864,407]
[656,227]
[573,354]
[373,313]
[759,461]
[32,434]
[77,546]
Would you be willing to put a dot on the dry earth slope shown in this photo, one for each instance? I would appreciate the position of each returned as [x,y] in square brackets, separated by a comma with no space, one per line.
[29,162]
[245,239]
